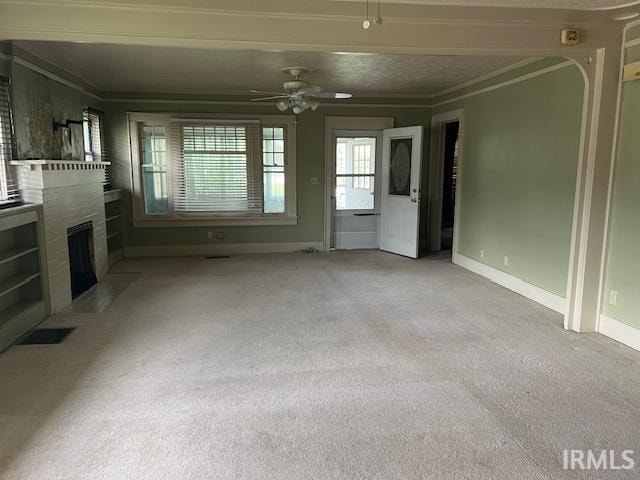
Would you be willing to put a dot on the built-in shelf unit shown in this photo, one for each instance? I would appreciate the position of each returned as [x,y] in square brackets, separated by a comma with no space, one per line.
[113,219]
[22,303]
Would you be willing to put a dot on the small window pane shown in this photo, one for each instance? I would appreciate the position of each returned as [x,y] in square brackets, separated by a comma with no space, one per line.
[155,192]
[147,158]
[354,193]
[274,191]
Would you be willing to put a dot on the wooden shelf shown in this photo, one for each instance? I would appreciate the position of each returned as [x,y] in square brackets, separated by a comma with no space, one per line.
[12,283]
[113,235]
[16,253]
[17,309]
[113,217]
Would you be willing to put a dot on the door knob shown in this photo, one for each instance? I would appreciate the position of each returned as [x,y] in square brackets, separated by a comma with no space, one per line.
[414,200]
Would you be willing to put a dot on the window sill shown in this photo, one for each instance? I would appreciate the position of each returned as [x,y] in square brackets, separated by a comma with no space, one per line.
[214,222]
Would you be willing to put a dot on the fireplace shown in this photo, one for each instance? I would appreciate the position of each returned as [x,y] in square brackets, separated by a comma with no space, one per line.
[71,194]
[81,258]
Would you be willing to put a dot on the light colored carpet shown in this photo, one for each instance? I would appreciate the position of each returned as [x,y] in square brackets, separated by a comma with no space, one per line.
[359,365]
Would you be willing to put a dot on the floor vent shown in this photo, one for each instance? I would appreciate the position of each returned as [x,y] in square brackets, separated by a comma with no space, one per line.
[46,336]
[215,257]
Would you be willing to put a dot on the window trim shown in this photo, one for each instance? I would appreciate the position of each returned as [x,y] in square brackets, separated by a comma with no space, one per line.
[173,219]
[7,164]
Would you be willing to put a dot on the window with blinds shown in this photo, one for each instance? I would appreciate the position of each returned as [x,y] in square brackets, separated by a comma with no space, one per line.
[94,151]
[218,168]
[9,191]
[225,170]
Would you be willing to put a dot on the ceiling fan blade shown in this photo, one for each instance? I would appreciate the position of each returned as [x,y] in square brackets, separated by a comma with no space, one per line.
[310,90]
[268,98]
[267,93]
[337,95]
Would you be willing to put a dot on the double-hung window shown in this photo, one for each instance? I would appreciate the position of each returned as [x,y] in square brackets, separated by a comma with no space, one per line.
[9,192]
[213,170]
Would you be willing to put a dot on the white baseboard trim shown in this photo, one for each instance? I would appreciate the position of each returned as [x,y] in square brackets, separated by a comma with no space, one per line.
[548,299]
[619,331]
[218,249]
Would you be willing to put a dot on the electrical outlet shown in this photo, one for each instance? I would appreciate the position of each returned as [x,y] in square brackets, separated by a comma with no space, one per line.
[314,181]
[506,261]
[613,297]
[219,235]
[481,253]
[210,235]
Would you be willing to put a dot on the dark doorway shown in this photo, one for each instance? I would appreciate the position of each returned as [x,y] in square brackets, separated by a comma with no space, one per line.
[81,258]
[449,183]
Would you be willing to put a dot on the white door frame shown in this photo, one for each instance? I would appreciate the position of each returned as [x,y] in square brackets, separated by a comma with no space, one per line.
[342,123]
[436,176]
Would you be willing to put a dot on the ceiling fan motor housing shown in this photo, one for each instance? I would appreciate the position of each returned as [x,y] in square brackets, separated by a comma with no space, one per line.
[295,85]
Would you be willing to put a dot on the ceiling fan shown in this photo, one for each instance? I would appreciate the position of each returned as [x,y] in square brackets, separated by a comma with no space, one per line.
[298,94]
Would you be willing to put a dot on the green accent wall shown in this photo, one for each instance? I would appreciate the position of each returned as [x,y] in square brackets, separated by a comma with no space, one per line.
[622,269]
[310,138]
[521,149]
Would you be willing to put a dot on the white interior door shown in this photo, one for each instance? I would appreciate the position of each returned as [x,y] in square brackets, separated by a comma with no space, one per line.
[400,196]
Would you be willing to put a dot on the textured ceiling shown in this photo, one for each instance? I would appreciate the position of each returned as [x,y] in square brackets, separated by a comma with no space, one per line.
[178,70]
[568,4]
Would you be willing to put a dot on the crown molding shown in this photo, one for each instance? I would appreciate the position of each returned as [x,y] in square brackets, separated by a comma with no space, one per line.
[519,79]
[20,61]
[487,76]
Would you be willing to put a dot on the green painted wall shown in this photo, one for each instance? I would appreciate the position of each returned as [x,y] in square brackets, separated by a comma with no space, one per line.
[633,33]
[310,163]
[624,236]
[521,151]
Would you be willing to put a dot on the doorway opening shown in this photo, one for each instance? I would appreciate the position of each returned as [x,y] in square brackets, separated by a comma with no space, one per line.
[355,185]
[449,177]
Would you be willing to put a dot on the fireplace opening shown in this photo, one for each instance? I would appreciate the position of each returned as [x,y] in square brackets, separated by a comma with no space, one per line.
[81,258]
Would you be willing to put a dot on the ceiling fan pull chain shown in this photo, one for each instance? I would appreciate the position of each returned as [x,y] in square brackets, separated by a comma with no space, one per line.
[367,23]
[378,19]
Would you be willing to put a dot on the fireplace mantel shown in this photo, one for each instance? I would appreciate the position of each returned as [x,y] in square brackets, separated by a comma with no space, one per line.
[60,164]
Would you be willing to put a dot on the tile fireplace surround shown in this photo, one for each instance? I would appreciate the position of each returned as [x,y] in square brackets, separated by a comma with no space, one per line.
[71,193]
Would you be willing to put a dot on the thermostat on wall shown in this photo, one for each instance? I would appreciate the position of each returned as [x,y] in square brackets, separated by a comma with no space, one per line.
[570,36]
[631,72]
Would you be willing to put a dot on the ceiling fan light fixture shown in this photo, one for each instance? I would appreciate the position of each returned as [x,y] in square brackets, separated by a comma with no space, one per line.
[298,94]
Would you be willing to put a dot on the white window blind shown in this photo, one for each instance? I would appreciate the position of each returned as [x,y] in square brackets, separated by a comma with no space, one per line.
[9,191]
[94,151]
[218,167]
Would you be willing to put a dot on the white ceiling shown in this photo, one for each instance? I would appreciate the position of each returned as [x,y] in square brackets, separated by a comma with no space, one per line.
[144,69]
[567,4]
